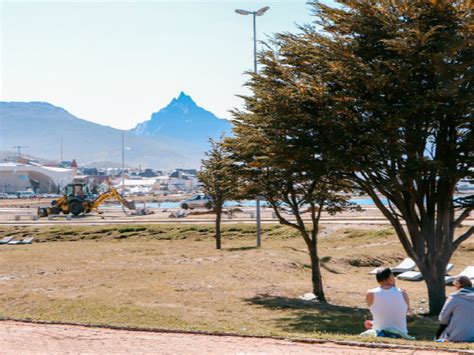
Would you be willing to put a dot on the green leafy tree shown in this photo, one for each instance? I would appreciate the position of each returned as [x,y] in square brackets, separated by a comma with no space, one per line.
[219,181]
[279,159]
[385,88]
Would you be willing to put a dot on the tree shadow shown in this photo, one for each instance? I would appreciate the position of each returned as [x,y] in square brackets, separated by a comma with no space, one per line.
[240,248]
[308,317]
[295,249]
[331,270]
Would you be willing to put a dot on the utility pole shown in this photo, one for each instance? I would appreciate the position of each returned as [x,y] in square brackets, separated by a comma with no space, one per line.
[14,177]
[18,149]
[123,163]
[61,148]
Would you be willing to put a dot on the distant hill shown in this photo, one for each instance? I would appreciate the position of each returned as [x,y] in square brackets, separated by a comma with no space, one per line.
[8,155]
[185,121]
[40,126]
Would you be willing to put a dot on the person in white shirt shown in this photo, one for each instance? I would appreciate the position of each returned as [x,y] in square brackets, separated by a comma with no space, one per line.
[388,304]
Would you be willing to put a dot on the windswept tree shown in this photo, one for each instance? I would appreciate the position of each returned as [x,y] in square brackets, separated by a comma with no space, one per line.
[281,160]
[405,116]
[388,87]
[219,181]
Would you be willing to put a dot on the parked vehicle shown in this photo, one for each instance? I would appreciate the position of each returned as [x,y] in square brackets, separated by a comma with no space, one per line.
[199,200]
[12,196]
[3,195]
[26,194]
[51,195]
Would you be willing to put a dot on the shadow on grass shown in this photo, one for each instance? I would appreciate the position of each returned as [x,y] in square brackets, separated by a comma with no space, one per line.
[331,270]
[308,317]
[298,250]
[241,248]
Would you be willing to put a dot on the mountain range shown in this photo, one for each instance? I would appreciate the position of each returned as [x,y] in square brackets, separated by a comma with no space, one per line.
[175,136]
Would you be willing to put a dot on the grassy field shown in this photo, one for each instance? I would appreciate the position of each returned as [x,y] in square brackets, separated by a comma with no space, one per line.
[170,276]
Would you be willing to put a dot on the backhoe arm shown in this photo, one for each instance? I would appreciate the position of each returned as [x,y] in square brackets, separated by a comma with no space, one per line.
[112,193]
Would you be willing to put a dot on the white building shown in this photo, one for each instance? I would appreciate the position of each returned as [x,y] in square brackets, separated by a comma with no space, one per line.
[136,186]
[20,177]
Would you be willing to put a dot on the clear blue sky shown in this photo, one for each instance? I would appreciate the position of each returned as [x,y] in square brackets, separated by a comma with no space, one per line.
[116,62]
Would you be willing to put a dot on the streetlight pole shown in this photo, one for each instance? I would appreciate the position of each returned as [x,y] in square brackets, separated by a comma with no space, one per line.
[254,42]
[254,14]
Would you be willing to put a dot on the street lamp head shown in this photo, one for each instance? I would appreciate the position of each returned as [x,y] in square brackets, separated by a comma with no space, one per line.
[243,12]
[262,11]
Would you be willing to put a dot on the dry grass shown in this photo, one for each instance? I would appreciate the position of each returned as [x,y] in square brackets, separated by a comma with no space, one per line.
[170,276]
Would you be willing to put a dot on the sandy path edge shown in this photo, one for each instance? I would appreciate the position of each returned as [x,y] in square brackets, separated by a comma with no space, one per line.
[384,346]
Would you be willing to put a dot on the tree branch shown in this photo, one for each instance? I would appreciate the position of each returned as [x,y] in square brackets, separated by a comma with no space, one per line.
[281,219]
[393,219]
[462,217]
[463,238]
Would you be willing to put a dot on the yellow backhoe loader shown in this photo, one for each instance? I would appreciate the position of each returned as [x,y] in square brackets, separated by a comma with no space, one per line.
[77,200]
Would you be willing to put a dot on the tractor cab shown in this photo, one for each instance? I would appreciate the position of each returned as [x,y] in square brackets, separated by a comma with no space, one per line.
[77,190]
[77,197]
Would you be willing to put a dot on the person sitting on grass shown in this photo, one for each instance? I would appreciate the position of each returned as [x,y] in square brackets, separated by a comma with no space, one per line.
[389,306]
[457,316]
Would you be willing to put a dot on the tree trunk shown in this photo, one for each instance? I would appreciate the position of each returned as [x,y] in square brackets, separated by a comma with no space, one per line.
[436,295]
[218,227]
[434,279]
[316,275]
[431,241]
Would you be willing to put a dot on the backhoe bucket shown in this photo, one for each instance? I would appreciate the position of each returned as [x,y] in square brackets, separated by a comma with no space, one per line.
[129,204]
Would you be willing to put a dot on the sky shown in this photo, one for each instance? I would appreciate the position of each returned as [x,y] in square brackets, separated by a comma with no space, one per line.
[116,62]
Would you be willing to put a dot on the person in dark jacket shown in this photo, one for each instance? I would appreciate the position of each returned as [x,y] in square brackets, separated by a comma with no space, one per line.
[457,316]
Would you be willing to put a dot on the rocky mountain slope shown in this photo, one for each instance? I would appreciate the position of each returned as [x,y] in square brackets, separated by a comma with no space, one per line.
[184,120]
[40,126]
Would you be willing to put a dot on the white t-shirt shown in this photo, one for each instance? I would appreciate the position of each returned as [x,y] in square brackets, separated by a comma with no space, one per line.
[389,309]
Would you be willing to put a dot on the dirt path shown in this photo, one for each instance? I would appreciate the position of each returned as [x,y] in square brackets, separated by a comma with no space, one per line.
[26,338]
